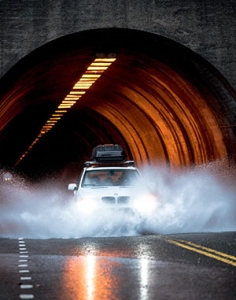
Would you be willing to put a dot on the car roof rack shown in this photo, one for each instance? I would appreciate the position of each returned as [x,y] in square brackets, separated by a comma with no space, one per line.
[127,163]
[108,153]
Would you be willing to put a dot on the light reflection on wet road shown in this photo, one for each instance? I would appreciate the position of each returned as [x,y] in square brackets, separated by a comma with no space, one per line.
[105,278]
[145,267]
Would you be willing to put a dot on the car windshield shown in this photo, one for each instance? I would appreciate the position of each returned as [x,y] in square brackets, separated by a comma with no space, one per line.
[108,177]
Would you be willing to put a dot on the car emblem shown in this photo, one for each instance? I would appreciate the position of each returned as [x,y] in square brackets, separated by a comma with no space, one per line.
[115,194]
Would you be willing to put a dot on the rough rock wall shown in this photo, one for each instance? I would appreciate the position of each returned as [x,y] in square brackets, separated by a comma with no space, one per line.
[207,27]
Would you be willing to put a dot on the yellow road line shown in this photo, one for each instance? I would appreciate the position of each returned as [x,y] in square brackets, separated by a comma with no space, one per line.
[210,250]
[223,257]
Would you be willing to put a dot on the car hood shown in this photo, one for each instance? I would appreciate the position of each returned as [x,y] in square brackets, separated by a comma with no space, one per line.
[108,191]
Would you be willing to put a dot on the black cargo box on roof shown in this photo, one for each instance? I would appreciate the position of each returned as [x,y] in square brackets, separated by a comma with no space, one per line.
[108,153]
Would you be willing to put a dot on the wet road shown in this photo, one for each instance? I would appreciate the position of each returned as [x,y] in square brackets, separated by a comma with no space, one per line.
[183,266]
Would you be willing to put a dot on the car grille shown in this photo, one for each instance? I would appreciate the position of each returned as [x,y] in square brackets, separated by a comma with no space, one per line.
[113,200]
[123,200]
[109,200]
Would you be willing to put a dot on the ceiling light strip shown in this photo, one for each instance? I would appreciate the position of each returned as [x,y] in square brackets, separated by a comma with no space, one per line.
[93,72]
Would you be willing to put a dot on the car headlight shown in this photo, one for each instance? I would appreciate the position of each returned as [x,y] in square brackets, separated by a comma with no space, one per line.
[87,204]
[146,204]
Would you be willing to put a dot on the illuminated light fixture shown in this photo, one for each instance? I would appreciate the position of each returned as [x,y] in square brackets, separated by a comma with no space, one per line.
[93,72]
[57,115]
[69,102]
[60,111]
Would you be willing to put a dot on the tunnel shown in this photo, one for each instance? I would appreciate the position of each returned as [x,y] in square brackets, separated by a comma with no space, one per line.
[165,104]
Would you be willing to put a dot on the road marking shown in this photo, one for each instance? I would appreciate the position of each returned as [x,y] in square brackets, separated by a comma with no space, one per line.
[210,250]
[23,253]
[24,271]
[223,257]
[26,286]
[23,266]
[26,296]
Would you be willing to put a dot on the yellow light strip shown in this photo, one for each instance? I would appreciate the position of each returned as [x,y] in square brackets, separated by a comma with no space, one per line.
[93,72]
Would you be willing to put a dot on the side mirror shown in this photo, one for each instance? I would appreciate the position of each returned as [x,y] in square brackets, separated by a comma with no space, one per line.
[72,187]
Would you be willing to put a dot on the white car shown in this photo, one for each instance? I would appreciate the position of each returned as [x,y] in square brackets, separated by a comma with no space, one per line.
[114,187]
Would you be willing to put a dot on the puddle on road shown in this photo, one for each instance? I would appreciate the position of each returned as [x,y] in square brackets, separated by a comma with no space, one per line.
[200,200]
[92,277]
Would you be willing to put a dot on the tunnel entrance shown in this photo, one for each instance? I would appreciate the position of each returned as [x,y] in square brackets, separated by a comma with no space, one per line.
[161,101]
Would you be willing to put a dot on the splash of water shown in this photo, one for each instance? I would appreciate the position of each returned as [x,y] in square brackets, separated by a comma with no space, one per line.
[200,200]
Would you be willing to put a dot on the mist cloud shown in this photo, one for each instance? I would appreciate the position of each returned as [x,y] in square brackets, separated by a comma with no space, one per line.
[200,200]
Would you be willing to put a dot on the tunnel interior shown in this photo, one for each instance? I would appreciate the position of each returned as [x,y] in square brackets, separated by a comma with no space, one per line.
[161,101]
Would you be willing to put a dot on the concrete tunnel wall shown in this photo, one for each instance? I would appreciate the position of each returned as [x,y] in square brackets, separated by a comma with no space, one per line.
[160,100]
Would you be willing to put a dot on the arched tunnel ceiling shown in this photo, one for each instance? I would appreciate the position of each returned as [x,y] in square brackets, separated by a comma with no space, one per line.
[159,100]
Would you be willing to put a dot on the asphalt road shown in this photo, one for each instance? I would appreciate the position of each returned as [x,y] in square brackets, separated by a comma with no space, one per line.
[184,266]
